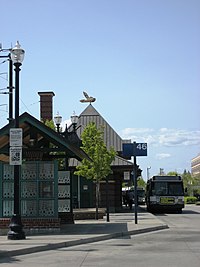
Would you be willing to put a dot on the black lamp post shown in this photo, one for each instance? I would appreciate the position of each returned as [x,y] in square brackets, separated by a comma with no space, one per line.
[10,89]
[74,120]
[58,120]
[16,231]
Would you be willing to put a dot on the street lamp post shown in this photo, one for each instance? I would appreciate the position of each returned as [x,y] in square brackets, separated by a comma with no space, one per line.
[10,89]
[74,120]
[58,120]
[148,174]
[16,228]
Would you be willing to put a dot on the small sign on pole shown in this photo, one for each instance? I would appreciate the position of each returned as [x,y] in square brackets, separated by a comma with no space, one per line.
[140,149]
[15,155]
[16,146]
[15,137]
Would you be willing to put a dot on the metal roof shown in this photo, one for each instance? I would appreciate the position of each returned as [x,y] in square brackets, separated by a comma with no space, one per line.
[111,138]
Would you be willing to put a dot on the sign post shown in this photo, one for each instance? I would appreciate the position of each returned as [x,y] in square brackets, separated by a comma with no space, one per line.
[135,188]
[15,146]
[135,149]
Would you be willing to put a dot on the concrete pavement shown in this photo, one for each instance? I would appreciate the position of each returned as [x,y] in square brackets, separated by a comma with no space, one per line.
[83,232]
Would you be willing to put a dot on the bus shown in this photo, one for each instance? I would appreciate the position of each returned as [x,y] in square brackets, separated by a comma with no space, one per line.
[164,193]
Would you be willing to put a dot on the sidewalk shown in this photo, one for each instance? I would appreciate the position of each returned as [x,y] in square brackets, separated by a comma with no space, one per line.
[83,232]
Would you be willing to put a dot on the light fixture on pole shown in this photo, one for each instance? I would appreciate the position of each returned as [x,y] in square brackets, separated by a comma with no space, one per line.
[148,174]
[74,120]
[16,232]
[58,120]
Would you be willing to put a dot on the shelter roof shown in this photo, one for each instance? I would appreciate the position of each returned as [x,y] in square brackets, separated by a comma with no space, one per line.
[37,137]
[118,163]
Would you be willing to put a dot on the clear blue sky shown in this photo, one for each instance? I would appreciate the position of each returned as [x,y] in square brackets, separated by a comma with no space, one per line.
[140,59]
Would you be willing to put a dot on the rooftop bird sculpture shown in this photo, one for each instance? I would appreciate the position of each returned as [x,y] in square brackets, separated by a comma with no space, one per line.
[88,98]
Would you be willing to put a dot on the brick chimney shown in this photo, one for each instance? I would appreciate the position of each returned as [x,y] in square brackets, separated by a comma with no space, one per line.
[46,105]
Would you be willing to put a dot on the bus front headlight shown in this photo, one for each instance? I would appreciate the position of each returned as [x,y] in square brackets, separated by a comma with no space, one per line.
[153,199]
[181,200]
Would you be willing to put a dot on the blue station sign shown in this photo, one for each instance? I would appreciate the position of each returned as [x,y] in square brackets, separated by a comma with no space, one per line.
[134,149]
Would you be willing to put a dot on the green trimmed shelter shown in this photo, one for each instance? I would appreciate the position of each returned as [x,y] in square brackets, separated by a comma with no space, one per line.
[45,178]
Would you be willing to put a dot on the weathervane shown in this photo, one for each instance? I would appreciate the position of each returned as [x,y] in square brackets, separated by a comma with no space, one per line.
[88,98]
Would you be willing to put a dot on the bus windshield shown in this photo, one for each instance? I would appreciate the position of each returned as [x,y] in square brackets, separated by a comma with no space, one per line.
[167,188]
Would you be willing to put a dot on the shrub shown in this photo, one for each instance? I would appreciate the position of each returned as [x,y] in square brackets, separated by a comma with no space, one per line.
[190,200]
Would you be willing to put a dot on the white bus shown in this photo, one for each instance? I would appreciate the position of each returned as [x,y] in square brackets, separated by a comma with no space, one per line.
[165,193]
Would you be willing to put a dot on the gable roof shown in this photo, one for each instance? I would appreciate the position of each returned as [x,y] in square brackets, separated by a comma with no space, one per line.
[111,138]
[33,128]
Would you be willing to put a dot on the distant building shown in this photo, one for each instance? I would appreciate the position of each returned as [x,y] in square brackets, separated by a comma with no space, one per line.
[195,165]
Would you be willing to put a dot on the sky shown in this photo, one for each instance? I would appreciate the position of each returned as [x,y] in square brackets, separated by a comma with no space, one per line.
[139,59]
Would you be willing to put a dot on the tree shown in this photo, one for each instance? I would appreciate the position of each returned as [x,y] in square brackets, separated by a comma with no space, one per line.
[50,124]
[172,173]
[101,158]
[141,182]
[188,182]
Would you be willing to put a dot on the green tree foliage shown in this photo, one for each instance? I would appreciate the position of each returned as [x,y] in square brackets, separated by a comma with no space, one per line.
[50,124]
[173,173]
[141,182]
[187,178]
[101,158]
[192,183]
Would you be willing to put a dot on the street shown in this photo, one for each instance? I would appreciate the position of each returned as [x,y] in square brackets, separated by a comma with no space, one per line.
[177,246]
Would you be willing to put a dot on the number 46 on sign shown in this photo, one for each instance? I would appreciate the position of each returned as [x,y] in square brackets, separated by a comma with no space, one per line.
[135,149]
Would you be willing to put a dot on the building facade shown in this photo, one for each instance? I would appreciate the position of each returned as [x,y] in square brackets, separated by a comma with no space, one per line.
[195,165]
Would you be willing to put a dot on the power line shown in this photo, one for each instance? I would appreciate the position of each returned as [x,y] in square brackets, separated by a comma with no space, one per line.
[4,73]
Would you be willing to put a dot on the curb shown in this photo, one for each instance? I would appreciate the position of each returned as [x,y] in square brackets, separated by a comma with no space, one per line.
[72,243]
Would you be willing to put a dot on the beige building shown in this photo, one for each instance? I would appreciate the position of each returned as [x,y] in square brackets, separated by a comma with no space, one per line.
[195,165]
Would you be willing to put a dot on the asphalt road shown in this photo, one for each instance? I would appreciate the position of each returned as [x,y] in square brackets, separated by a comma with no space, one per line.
[177,246]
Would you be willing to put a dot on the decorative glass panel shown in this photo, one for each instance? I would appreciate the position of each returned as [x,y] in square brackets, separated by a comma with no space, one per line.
[29,208]
[37,190]
[8,208]
[64,177]
[8,172]
[28,189]
[64,205]
[46,171]
[46,189]
[46,208]
[29,171]
[64,191]
[8,190]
